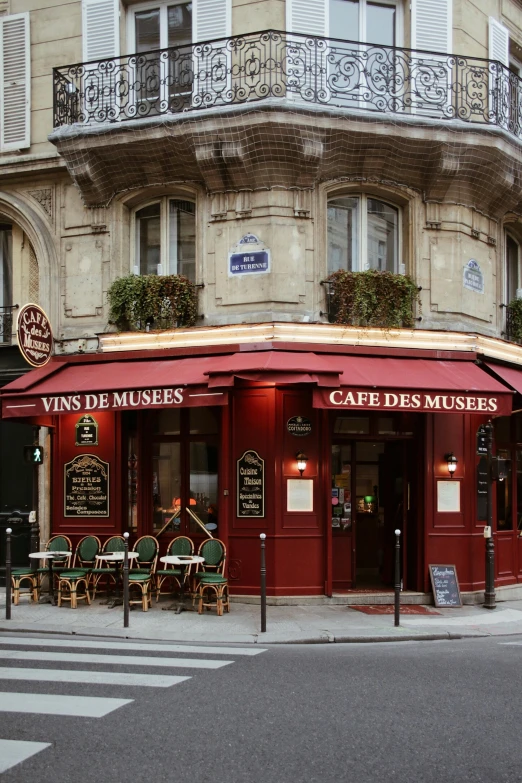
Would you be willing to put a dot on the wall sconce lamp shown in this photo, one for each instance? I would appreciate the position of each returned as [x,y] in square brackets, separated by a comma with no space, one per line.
[302,459]
[452,462]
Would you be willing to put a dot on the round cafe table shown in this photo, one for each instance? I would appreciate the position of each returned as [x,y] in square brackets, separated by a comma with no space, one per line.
[49,555]
[184,562]
[116,558]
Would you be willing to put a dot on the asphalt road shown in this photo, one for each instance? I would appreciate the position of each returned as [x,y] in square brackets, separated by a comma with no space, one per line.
[420,712]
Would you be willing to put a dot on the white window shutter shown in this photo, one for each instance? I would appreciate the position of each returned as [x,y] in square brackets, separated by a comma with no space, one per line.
[308,17]
[15,87]
[101,29]
[498,42]
[211,19]
[431,25]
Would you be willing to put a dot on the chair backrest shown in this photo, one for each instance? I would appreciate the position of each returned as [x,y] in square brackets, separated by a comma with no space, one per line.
[59,544]
[147,548]
[87,550]
[214,552]
[114,544]
[182,545]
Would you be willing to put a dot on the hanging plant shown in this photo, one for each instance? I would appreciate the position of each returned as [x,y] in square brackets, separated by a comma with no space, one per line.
[161,302]
[514,320]
[373,298]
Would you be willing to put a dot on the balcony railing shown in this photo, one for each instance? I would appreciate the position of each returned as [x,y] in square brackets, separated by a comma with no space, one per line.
[305,69]
[372,298]
[513,328]
[6,324]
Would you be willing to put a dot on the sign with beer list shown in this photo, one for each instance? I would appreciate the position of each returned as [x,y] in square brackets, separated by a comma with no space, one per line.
[86,487]
[34,334]
[250,485]
[445,585]
[348,398]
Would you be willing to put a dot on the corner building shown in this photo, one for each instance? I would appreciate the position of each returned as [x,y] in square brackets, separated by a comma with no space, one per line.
[175,139]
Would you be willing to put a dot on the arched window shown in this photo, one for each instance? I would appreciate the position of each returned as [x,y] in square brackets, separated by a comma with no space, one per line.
[6,265]
[165,238]
[363,233]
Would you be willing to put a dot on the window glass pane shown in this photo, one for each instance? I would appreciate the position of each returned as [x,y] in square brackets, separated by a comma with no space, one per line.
[502,427]
[148,243]
[147,29]
[504,496]
[380,24]
[167,422]
[182,238]
[343,240]
[180,24]
[387,426]
[512,262]
[344,19]
[6,266]
[369,452]
[166,483]
[203,421]
[204,486]
[382,236]
[352,425]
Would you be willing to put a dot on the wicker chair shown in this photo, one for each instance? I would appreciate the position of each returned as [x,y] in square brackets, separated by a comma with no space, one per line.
[102,570]
[56,544]
[142,576]
[18,577]
[178,546]
[70,579]
[211,582]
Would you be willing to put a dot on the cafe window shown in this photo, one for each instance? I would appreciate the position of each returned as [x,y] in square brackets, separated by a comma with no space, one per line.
[363,233]
[184,467]
[6,266]
[165,238]
[505,494]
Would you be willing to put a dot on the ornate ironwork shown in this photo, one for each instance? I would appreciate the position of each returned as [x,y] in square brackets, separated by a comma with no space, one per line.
[306,69]
[6,324]
[331,306]
[511,331]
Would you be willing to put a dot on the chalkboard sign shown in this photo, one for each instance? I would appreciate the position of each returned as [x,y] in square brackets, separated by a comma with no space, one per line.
[482,490]
[250,485]
[445,585]
[86,486]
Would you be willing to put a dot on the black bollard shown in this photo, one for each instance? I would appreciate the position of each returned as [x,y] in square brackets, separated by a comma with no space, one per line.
[397,578]
[126,581]
[8,573]
[263,583]
[489,593]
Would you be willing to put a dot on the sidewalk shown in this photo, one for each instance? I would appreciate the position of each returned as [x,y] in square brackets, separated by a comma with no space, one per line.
[285,624]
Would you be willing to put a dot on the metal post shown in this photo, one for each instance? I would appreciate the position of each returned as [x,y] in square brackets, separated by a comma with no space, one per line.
[126,581]
[397,578]
[8,573]
[263,583]
[489,593]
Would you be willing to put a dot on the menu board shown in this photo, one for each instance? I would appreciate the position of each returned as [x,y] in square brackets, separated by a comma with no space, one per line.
[445,585]
[482,490]
[250,485]
[86,487]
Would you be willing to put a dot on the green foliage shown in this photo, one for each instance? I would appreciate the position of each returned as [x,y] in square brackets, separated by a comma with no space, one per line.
[373,299]
[162,302]
[515,320]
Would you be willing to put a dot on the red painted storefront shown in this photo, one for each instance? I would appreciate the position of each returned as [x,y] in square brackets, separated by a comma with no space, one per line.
[240,400]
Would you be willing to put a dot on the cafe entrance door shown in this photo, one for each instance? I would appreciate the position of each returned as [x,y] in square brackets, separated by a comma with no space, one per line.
[374,490]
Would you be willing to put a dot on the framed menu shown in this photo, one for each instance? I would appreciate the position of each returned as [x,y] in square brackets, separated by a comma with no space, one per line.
[448,496]
[300,495]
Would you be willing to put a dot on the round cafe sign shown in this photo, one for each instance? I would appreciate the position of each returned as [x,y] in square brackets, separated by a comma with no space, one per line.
[35,338]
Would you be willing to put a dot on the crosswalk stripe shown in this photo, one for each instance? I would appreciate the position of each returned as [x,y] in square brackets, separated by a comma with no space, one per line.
[55,704]
[91,677]
[128,660]
[137,646]
[13,752]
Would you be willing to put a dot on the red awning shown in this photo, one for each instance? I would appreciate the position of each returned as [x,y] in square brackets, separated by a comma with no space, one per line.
[511,375]
[124,384]
[382,383]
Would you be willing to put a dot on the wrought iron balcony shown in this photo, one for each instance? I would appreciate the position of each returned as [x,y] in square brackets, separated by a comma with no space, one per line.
[371,298]
[513,328]
[6,324]
[305,69]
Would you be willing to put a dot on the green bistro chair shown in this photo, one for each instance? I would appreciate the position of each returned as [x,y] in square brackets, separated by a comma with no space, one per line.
[18,577]
[178,546]
[102,569]
[70,579]
[211,582]
[56,544]
[143,575]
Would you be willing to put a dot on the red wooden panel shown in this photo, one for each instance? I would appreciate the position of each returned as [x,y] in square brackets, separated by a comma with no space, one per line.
[505,545]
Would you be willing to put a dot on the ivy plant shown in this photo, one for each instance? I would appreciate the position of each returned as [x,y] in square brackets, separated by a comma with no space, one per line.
[515,320]
[373,298]
[158,301]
